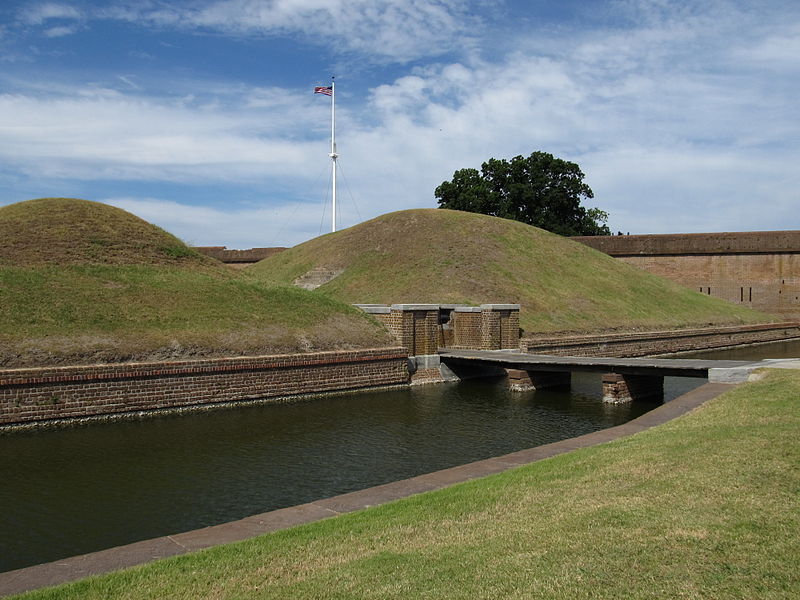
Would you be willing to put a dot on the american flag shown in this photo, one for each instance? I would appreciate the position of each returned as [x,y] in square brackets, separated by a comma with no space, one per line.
[324,89]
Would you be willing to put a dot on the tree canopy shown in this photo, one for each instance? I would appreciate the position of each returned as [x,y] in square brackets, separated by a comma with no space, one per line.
[539,190]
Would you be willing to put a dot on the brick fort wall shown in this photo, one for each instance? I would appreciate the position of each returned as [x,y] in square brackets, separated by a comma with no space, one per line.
[41,394]
[759,269]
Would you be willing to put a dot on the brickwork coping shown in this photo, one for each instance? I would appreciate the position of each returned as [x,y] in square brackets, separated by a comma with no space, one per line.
[500,306]
[744,242]
[374,309]
[406,307]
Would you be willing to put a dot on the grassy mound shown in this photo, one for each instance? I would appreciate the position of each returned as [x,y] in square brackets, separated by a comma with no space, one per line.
[435,255]
[69,231]
[85,282]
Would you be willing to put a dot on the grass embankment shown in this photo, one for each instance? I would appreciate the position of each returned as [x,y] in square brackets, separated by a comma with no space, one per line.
[85,282]
[435,255]
[706,506]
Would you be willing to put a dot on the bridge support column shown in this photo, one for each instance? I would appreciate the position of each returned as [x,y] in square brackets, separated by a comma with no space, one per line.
[523,381]
[618,388]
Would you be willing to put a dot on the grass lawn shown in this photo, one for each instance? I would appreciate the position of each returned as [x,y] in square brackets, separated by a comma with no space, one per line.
[706,506]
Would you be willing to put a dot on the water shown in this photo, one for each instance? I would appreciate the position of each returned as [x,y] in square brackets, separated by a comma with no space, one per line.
[789,349]
[71,491]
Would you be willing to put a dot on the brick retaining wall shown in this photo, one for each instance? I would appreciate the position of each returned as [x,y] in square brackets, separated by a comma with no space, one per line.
[659,342]
[244,257]
[41,394]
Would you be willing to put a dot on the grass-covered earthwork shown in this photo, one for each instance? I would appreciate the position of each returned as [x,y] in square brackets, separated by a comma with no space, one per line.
[85,282]
[444,256]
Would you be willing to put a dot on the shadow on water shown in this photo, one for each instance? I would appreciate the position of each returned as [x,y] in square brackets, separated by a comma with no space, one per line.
[72,491]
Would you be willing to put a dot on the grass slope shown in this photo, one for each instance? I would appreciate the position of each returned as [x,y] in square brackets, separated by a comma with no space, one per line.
[69,231]
[435,255]
[706,506]
[85,282]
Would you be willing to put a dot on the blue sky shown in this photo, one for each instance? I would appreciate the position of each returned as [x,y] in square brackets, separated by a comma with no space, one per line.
[200,116]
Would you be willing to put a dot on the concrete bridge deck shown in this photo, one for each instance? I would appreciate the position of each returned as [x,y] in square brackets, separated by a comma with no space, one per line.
[661,367]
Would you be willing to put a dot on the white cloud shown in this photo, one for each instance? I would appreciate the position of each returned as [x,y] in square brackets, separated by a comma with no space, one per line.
[378,29]
[779,50]
[281,224]
[104,133]
[38,14]
[60,31]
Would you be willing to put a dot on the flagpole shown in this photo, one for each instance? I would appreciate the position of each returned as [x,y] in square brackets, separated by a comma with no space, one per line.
[333,153]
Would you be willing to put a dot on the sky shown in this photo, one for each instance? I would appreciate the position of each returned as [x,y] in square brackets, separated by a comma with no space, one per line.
[200,116]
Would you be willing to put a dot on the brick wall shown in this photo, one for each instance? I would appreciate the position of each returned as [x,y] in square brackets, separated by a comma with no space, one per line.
[659,342]
[736,242]
[40,394]
[766,282]
[417,327]
[238,257]
[759,269]
[499,329]
[466,325]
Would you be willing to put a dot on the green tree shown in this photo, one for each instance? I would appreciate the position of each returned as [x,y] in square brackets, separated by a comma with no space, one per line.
[540,190]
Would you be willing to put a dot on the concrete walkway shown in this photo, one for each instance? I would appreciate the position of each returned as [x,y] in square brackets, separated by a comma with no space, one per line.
[669,367]
[121,557]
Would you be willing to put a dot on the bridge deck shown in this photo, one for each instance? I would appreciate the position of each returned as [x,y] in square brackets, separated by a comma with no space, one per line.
[675,367]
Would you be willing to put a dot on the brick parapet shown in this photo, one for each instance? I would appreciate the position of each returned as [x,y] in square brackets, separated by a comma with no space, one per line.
[742,242]
[41,394]
[424,328]
[251,255]
[659,342]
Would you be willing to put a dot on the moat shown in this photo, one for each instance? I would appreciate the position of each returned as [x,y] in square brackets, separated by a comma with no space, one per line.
[72,491]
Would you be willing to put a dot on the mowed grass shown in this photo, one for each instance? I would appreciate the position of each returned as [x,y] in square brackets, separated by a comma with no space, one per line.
[112,313]
[85,282]
[706,506]
[435,255]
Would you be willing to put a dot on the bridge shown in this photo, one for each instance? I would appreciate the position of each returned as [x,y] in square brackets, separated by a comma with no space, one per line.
[624,379]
